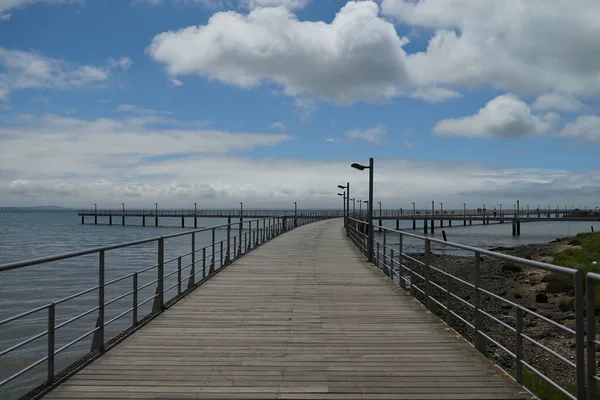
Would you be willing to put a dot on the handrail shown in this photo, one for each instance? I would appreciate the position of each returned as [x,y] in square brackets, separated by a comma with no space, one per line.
[203,261]
[441,297]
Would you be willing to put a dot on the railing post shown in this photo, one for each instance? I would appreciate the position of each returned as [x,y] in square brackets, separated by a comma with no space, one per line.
[264,232]
[51,342]
[227,253]
[135,299]
[203,262]
[448,300]
[179,276]
[257,235]
[234,246]
[212,257]
[400,268]
[221,255]
[519,346]
[427,275]
[192,280]
[390,274]
[249,244]
[391,263]
[240,229]
[580,335]
[591,337]
[479,339]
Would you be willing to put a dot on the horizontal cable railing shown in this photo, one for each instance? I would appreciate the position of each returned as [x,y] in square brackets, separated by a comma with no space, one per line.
[147,291]
[468,307]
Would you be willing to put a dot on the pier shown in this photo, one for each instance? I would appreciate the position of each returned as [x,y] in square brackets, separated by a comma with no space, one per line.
[292,311]
[301,317]
[428,219]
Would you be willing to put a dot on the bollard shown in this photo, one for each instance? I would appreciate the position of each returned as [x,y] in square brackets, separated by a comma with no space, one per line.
[444,235]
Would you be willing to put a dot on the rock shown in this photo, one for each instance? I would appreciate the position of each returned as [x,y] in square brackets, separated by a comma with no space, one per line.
[541,298]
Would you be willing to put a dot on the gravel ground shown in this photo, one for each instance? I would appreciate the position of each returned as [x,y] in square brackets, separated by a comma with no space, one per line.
[525,286]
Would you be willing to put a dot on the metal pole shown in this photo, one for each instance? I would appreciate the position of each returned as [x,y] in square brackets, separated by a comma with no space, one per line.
[347,207]
[370,211]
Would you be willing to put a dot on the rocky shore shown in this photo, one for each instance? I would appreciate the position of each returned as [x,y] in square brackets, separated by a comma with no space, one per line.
[538,290]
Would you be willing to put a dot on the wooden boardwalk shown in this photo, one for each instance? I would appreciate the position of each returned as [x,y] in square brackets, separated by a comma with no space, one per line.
[301,317]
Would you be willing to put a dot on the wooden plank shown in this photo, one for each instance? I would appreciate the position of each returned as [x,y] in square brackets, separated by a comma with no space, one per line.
[303,316]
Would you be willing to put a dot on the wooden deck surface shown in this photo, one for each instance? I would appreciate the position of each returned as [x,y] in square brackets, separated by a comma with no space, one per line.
[301,317]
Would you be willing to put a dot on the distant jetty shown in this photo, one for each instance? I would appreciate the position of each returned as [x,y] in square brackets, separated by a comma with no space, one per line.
[35,208]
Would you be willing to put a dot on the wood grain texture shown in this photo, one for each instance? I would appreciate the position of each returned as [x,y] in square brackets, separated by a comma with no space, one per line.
[301,317]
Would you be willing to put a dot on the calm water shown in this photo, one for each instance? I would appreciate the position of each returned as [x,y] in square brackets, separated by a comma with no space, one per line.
[26,235]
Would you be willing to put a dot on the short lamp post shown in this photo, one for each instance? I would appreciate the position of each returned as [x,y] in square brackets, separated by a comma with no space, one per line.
[370,238]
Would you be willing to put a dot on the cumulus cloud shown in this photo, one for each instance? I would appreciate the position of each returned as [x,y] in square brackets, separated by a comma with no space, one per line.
[356,57]
[27,70]
[586,127]
[370,135]
[556,101]
[504,116]
[518,47]
[175,82]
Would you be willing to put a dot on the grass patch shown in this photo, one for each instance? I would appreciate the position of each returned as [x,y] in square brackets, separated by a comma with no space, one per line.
[581,258]
[541,388]
[511,267]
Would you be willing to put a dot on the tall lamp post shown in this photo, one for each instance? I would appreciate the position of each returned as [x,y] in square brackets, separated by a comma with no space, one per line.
[346,217]
[295,214]
[353,207]
[379,208]
[343,194]
[361,167]
[156,208]
[123,204]
[414,209]
[95,208]
[360,209]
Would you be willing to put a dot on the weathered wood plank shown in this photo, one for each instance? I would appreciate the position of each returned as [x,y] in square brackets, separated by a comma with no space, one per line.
[302,317]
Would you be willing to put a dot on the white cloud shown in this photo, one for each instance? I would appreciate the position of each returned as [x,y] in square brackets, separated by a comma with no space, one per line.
[356,57]
[370,135]
[435,94]
[130,108]
[7,5]
[26,70]
[528,47]
[175,82]
[585,127]
[223,181]
[504,116]
[556,101]
[277,125]
[63,146]
[289,4]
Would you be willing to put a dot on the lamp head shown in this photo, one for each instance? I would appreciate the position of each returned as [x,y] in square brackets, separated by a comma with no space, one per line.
[340,194]
[359,166]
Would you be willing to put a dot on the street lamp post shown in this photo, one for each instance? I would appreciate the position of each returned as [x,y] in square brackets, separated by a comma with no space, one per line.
[414,209]
[379,208]
[343,194]
[123,217]
[370,209]
[360,208]
[195,209]
[347,216]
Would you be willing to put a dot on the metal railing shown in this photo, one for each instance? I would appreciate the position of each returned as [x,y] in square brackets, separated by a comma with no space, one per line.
[458,214]
[204,262]
[465,305]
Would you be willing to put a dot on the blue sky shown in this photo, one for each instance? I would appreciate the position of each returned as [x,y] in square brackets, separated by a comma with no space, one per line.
[268,101]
